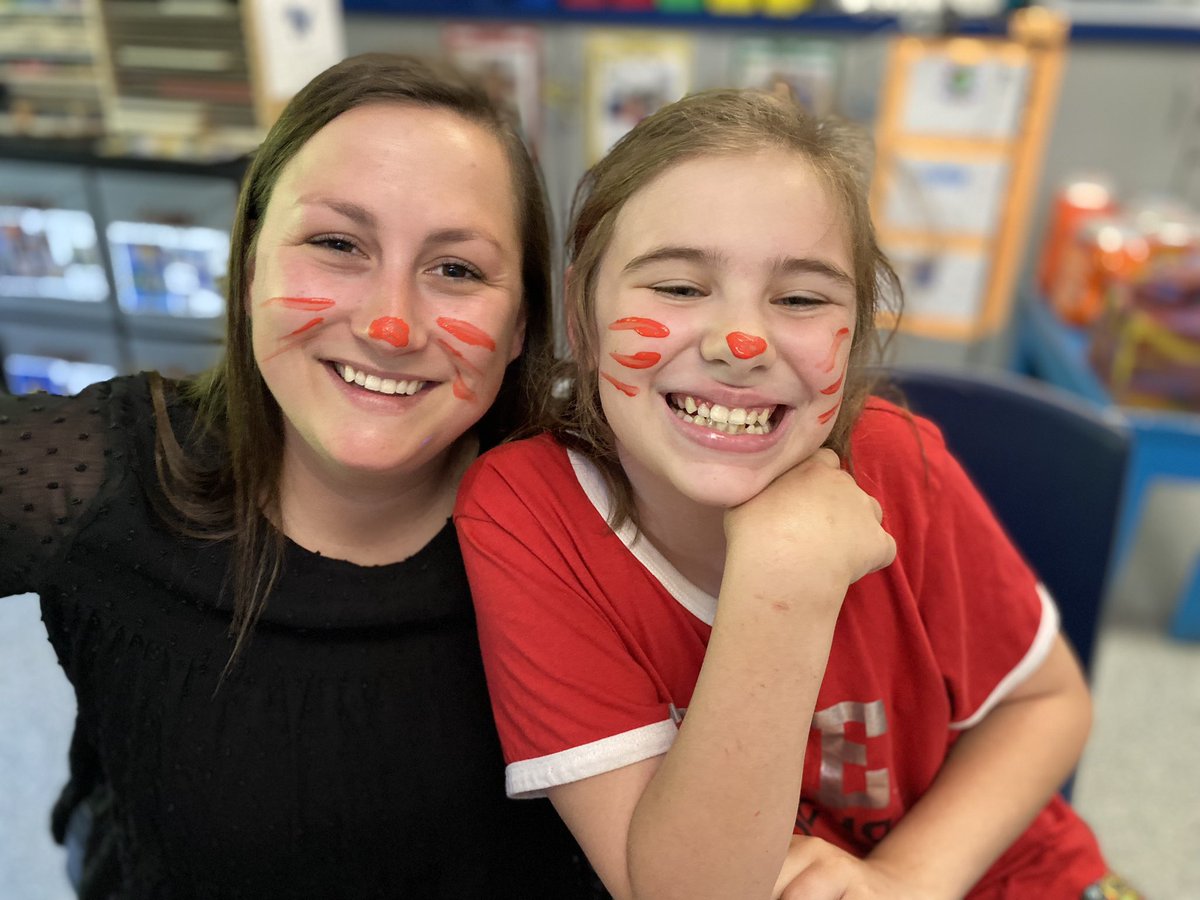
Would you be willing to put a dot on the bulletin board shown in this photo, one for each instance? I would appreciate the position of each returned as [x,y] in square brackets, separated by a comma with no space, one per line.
[959,144]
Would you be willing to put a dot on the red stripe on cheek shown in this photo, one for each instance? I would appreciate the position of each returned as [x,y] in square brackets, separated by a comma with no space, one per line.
[627,389]
[645,327]
[643,360]
[467,333]
[312,304]
[841,335]
[829,413]
[390,330]
[312,323]
[461,391]
[745,346]
[833,388]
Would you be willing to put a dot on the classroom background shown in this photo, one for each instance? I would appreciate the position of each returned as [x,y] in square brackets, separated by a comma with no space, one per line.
[1036,181]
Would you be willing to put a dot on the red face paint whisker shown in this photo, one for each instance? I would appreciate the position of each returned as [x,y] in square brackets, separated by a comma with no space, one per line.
[745,346]
[627,389]
[312,304]
[461,391]
[459,359]
[833,388]
[645,327]
[467,333]
[311,323]
[841,335]
[643,360]
[829,413]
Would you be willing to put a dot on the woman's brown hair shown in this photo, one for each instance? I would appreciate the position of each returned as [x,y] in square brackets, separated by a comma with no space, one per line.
[233,495]
[718,122]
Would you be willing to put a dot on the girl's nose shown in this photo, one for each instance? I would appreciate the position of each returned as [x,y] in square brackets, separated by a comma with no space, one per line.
[742,345]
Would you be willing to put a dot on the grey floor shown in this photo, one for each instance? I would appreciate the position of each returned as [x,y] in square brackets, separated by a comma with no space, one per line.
[1138,784]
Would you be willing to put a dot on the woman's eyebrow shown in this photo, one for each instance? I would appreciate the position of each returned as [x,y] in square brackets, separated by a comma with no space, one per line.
[459,236]
[360,215]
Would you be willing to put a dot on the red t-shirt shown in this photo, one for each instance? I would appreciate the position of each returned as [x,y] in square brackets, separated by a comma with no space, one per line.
[593,642]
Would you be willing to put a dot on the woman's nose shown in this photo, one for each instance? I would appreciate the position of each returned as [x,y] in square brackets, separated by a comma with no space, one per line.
[391,318]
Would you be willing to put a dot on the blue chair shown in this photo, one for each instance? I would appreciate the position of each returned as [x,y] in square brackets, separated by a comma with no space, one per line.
[1052,467]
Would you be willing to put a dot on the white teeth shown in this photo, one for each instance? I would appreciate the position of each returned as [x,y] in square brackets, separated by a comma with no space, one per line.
[729,420]
[377,384]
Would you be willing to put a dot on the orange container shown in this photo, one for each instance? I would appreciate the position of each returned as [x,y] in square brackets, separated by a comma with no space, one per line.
[1074,203]
[1105,250]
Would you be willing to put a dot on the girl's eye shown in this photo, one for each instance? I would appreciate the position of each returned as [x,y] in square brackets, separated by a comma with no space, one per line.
[678,290]
[801,301]
[458,270]
[335,243]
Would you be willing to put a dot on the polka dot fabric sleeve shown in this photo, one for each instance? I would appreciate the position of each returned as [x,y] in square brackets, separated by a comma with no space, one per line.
[54,452]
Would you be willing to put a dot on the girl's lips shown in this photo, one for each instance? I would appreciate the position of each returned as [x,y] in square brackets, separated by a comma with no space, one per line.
[712,439]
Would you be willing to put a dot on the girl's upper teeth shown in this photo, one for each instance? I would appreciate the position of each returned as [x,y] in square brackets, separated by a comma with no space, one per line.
[377,384]
[714,412]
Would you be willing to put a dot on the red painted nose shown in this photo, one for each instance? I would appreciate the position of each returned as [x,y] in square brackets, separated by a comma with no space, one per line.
[745,346]
[391,329]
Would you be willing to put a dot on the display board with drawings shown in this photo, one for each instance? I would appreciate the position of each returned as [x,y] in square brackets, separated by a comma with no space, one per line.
[959,142]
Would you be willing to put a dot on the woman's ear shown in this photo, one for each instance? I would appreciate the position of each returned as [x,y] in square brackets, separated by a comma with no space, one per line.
[518,336]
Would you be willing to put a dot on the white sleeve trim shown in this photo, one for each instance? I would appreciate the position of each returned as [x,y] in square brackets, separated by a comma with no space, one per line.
[1043,641]
[533,777]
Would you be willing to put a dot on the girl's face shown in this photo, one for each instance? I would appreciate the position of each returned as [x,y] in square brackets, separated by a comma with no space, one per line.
[725,308]
[385,300]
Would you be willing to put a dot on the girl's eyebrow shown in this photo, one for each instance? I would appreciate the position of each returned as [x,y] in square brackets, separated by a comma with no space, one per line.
[672,254]
[810,265]
[788,265]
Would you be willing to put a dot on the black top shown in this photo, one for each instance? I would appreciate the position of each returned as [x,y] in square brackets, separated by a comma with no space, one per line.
[350,754]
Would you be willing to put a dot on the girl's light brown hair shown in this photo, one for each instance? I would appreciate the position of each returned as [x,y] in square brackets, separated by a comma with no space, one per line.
[727,123]
[231,492]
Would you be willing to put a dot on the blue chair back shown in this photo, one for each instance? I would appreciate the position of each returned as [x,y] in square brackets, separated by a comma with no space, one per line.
[1051,466]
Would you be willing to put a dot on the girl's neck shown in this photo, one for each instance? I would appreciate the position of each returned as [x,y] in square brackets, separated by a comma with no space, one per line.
[689,535]
[368,518]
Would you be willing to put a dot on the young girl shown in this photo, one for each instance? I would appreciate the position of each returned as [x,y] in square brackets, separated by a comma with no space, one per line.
[737,669]
[251,580]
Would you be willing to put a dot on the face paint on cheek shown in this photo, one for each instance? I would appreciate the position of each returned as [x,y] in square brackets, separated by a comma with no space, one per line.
[829,413]
[467,333]
[838,338]
[745,346]
[645,327]
[311,304]
[390,330]
[311,323]
[461,364]
[461,391]
[627,389]
[833,388]
[642,360]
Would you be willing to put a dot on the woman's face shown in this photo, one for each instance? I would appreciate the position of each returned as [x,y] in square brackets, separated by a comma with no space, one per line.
[385,299]
[725,309]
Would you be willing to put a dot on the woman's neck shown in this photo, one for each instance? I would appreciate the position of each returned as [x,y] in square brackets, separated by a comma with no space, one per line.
[370,518]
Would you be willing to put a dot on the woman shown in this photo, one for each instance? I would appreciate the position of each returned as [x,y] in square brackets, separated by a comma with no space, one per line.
[250,579]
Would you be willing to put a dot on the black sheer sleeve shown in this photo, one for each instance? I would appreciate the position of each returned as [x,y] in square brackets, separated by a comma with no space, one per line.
[54,456]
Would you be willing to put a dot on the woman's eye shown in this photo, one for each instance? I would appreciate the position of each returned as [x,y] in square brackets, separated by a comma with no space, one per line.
[458,270]
[335,243]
